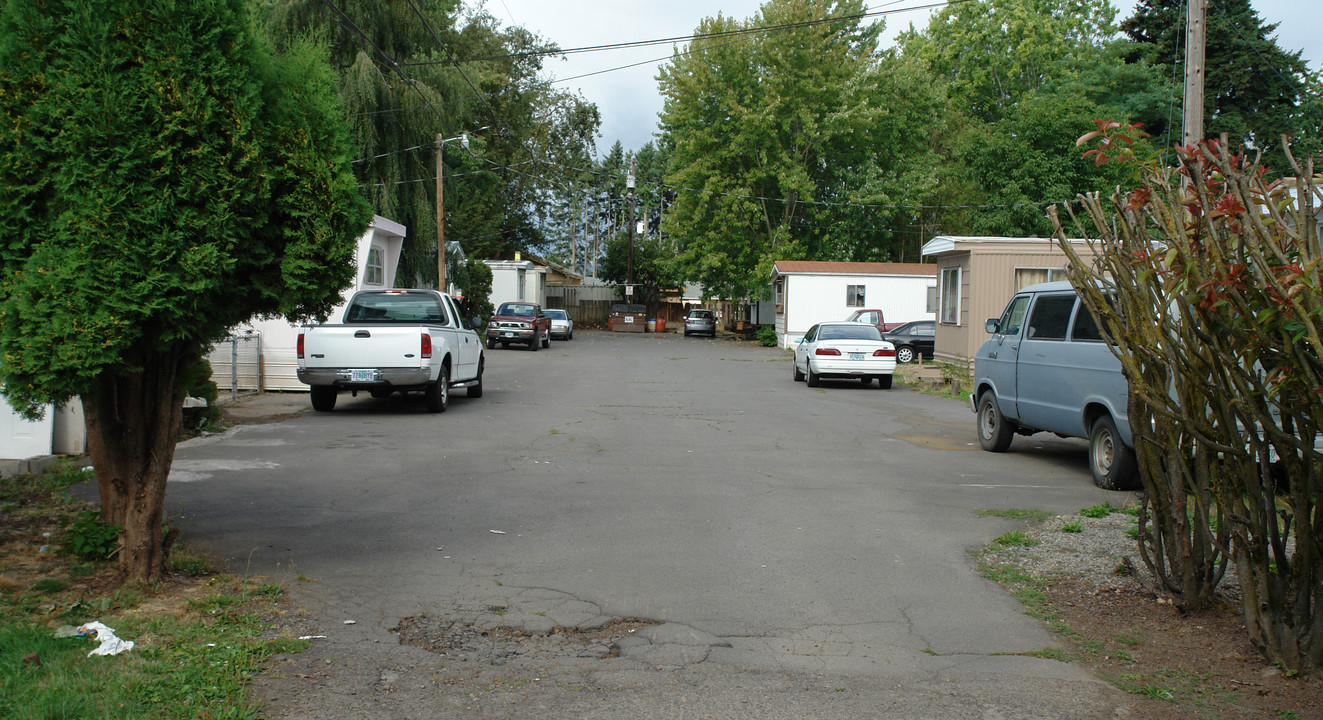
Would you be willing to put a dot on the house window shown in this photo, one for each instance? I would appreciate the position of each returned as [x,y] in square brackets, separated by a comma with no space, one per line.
[1024,277]
[854,295]
[780,288]
[375,271]
[932,299]
[950,296]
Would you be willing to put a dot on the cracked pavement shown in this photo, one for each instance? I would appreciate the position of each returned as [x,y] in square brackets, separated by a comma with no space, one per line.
[638,526]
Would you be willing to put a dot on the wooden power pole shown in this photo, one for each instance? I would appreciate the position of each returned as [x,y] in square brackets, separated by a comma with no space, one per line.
[1195,28]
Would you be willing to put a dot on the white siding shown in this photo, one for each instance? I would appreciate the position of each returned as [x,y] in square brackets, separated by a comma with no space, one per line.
[811,299]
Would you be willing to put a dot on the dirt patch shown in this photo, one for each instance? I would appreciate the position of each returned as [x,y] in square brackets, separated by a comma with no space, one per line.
[1198,666]
[496,646]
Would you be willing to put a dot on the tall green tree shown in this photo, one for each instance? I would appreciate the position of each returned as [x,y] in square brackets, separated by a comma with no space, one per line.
[766,133]
[1254,90]
[164,175]
[1024,79]
[993,52]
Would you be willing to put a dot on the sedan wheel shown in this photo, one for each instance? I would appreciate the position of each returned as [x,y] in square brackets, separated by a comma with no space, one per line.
[904,354]
[799,376]
[813,379]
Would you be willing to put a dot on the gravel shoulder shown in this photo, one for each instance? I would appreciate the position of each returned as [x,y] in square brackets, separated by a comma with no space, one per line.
[1189,666]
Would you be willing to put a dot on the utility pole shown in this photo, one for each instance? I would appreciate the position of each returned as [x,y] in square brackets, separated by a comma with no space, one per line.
[441,141]
[1195,27]
[629,183]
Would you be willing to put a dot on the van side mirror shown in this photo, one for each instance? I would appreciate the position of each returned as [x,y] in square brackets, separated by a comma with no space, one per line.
[992,325]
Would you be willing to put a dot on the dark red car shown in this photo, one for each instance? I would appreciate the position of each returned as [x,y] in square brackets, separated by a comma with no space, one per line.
[519,322]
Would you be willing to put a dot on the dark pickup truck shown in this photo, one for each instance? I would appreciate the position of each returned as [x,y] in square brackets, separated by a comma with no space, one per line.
[519,322]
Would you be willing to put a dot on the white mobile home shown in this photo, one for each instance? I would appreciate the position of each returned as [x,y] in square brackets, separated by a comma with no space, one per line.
[518,281]
[809,292]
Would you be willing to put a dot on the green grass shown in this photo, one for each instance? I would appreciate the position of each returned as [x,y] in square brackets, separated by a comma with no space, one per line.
[191,659]
[1072,526]
[1098,511]
[196,664]
[1014,513]
[1014,538]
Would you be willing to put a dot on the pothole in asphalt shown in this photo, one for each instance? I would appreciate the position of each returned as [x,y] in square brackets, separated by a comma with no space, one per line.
[464,642]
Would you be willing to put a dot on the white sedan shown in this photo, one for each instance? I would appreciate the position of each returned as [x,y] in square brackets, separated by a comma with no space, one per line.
[845,350]
[562,327]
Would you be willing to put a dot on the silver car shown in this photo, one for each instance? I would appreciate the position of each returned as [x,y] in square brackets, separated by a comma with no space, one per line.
[562,327]
[700,322]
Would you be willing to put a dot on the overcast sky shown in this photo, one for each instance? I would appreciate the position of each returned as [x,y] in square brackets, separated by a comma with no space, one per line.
[628,98]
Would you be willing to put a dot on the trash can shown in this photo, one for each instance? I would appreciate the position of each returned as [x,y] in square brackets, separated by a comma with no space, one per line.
[661,325]
[629,318]
[652,325]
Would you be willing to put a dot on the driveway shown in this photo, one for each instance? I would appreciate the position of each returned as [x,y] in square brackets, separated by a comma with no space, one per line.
[700,535]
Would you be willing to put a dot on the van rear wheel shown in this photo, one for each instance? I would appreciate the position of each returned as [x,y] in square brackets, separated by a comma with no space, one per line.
[1112,463]
[994,430]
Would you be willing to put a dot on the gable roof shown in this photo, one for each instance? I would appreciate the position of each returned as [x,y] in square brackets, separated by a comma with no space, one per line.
[818,267]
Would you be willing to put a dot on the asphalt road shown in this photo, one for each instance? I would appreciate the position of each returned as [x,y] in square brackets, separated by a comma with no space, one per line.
[786,551]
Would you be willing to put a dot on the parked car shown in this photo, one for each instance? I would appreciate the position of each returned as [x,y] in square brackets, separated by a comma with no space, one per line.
[844,350]
[913,340]
[403,341]
[519,322]
[562,327]
[1046,368]
[700,322]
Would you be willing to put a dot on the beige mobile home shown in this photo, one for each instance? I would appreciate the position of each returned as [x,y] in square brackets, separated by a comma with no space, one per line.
[976,277]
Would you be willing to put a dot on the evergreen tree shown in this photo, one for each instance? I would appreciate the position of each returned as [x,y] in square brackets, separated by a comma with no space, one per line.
[165,175]
[1254,90]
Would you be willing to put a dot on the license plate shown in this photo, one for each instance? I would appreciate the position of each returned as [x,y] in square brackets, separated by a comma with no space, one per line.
[856,356]
[362,375]
[509,334]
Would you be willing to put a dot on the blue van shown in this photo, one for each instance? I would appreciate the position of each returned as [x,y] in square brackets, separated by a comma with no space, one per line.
[1046,368]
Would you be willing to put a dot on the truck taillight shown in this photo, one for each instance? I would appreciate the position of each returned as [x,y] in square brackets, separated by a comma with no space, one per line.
[427,345]
[300,347]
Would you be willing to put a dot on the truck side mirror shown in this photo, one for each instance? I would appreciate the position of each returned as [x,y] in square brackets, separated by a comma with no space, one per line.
[992,325]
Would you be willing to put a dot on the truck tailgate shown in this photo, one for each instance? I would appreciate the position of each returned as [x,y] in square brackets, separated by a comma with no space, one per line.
[349,346]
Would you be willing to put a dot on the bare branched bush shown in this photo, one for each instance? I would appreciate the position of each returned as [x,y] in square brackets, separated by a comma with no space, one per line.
[1207,281]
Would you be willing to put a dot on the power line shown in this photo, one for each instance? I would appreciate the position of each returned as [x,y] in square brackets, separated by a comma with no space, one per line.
[691,38]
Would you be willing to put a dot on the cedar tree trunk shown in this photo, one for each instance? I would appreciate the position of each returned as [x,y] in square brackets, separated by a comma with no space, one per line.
[133,422]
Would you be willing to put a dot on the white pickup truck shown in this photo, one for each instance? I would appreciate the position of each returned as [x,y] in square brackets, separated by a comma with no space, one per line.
[393,341]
